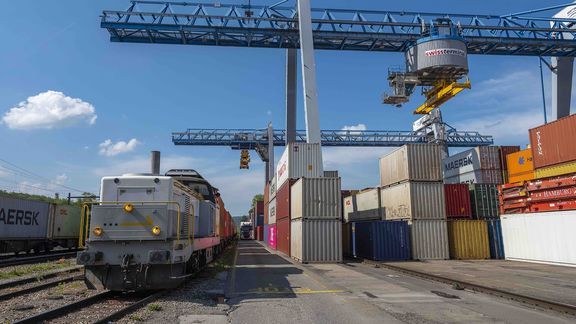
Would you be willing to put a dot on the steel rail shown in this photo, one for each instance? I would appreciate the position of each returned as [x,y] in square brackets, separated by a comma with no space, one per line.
[529,300]
[27,280]
[34,259]
[126,310]
[40,287]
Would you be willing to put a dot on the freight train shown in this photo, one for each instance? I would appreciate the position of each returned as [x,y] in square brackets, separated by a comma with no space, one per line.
[30,225]
[153,232]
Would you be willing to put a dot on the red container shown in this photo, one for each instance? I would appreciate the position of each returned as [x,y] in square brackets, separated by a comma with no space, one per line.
[260,233]
[504,151]
[283,235]
[457,201]
[566,193]
[558,182]
[283,200]
[553,143]
[553,206]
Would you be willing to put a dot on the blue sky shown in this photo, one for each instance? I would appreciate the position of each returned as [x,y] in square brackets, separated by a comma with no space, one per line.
[144,92]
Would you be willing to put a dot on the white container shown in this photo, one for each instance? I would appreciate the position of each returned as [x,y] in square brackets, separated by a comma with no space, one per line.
[349,207]
[331,174]
[272,189]
[541,237]
[479,158]
[414,200]
[368,206]
[414,162]
[316,241]
[429,240]
[316,198]
[272,212]
[299,160]
[478,176]
[23,219]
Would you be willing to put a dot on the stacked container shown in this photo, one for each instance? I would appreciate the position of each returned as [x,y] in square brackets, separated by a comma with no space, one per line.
[271,213]
[478,165]
[315,211]
[380,240]
[412,190]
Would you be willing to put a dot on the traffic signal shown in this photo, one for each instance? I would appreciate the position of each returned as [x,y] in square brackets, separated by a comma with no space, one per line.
[244,159]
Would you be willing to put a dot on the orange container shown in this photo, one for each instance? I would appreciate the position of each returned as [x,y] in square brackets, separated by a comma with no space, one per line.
[520,166]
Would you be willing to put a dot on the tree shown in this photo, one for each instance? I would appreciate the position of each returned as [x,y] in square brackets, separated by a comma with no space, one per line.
[244,219]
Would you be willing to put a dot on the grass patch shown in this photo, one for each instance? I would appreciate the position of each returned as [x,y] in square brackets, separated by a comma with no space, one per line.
[225,261]
[136,318]
[154,307]
[24,270]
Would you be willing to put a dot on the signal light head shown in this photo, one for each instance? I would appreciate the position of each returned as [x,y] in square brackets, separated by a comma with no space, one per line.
[156,230]
[98,231]
[128,207]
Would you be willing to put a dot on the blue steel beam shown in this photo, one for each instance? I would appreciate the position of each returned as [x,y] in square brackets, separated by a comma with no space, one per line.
[334,29]
[252,138]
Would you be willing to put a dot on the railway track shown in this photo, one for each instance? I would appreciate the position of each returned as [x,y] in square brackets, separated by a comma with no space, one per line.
[20,260]
[528,300]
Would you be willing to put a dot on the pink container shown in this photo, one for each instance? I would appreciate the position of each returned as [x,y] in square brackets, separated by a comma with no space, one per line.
[272,236]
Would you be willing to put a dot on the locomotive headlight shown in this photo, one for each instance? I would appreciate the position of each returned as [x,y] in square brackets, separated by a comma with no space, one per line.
[128,208]
[97,231]
[156,230]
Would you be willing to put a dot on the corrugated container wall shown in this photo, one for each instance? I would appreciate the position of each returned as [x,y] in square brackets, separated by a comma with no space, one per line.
[331,174]
[468,239]
[541,237]
[23,219]
[520,166]
[283,200]
[414,162]
[272,211]
[457,201]
[556,170]
[429,240]
[316,240]
[479,158]
[553,143]
[504,151]
[368,205]
[484,200]
[65,222]
[266,202]
[478,176]
[347,239]
[495,238]
[272,236]
[299,160]
[266,233]
[382,240]
[283,235]
[272,188]
[414,200]
[349,207]
[316,198]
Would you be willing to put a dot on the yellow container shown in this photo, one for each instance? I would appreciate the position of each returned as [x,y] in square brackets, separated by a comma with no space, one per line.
[520,162]
[556,170]
[468,239]
[519,177]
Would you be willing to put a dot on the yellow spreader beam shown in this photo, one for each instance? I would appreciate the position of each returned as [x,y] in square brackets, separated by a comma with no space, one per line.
[440,93]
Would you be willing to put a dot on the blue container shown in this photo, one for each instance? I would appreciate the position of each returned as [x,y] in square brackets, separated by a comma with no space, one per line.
[260,220]
[381,240]
[495,239]
[266,234]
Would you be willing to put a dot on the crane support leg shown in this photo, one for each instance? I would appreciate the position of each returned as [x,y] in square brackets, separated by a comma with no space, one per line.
[291,94]
[561,86]
[308,72]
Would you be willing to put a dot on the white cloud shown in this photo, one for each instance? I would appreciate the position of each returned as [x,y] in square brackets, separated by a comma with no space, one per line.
[336,158]
[60,179]
[504,125]
[359,127]
[141,164]
[50,109]
[108,148]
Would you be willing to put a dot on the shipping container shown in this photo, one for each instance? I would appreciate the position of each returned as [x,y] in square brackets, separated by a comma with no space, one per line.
[368,205]
[479,158]
[414,200]
[495,238]
[23,219]
[272,234]
[347,240]
[266,202]
[266,233]
[457,201]
[412,162]
[468,239]
[382,240]
[541,237]
[283,200]
[273,188]
[299,160]
[556,170]
[272,212]
[429,240]
[484,201]
[504,151]
[553,143]
[316,198]
[65,223]
[260,233]
[283,235]
[556,182]
[316,240]
[520,166]
[349,207]
[478,176]
[331,174]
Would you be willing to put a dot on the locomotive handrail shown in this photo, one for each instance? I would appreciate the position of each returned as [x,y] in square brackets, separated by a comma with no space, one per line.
[87,204]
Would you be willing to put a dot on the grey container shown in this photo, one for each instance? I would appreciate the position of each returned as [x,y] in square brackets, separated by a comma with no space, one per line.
[331,174]
[299,160]
[438,56]
[478,176]
[273,188]
[414,200]
[316,198]
[207,217]
[349,207]
[368,206]
[23,219]
[316,240]
[271,211]
[412,162]
[429,240]
[479,158]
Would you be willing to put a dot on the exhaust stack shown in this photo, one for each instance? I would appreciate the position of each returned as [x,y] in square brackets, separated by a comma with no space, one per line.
[155,162]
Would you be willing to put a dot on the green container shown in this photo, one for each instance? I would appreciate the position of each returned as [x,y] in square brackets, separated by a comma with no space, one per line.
[484,198]
[65,222]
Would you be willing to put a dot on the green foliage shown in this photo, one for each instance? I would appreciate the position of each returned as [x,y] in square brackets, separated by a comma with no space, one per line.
[51,200]
[154,307]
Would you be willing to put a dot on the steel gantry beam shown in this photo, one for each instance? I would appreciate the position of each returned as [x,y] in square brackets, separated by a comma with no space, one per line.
[333,29]
[253,139]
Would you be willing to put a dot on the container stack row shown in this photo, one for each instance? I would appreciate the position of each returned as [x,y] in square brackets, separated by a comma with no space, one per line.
[538,204]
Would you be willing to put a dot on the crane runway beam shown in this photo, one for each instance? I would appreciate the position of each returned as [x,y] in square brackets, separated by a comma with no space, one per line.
[251,139]
[333,29]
